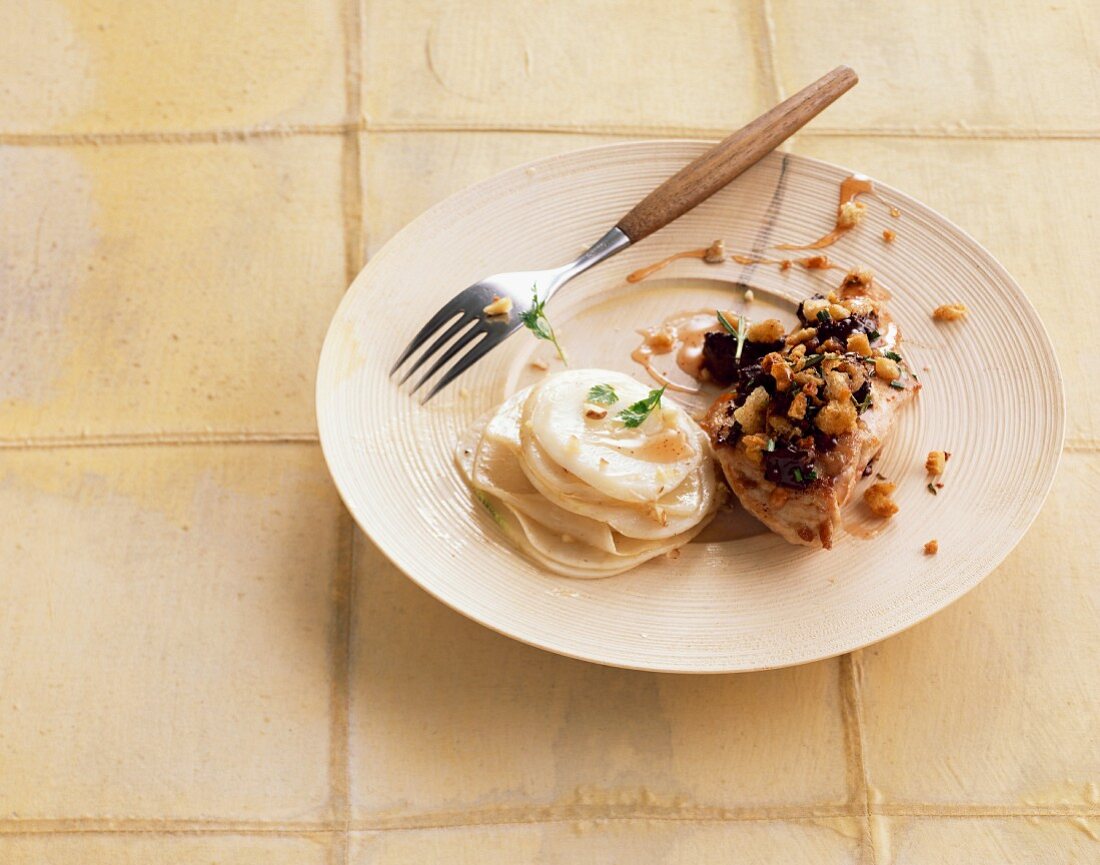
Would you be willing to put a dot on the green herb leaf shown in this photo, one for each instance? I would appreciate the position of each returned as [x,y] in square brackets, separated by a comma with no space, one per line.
[893,355]
[798,475]
[635,415]
[897,385]
[488,505]
[812,360]
[722,320]
[865,403]
[811,475]
[932,490]
[535,320]
[602,394]
[823,316]
[873,335]
[742,332]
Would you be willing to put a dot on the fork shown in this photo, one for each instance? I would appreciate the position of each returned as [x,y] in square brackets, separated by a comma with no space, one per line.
[478,332]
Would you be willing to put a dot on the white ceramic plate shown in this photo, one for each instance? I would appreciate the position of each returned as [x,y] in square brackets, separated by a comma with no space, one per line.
[992,396]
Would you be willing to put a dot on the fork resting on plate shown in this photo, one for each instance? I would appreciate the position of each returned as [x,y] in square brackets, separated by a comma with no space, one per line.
[464,316]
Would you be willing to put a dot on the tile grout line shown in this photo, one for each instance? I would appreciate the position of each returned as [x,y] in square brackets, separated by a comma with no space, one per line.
[236,135]
[859,786]
[339,724]
[348,622]
[536,815]
[183,136]
[151,439]
[354,254]
[770,45]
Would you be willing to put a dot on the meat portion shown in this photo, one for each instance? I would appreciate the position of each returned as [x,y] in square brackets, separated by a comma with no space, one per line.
[800,424]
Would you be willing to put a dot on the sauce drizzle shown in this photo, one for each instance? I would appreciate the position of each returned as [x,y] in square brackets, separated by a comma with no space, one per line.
[683,333]
[649,270]
[850,189]
[809,262]
[864,531]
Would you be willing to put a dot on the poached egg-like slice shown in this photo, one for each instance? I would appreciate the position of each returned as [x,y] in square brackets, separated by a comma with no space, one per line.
[630,464]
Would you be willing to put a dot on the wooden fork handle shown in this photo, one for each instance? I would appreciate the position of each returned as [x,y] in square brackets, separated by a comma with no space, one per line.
[699,180]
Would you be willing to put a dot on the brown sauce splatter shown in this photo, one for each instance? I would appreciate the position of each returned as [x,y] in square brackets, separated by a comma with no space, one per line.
[684,334]
[809,262]
[864,531]
[649,270]
[850,189]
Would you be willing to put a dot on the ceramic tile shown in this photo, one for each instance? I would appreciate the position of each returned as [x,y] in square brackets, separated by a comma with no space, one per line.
[531,65]
[947,70]
[636,842]
[994,700]
[114,66]
[406,173]
[113,849]
[1009,841]
[157,288]
[168,629]
[1032,206]
[449,717]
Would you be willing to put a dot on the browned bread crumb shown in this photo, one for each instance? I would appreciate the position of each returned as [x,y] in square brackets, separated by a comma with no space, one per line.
[932,547]
[715,253]
[950,312]
[879,498]
[936,462]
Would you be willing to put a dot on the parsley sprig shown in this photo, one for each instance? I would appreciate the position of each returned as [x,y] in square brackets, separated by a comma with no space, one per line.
[535,320]
[602,394]
[634,415]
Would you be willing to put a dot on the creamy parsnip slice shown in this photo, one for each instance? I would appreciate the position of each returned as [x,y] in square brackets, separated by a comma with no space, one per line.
[630,464]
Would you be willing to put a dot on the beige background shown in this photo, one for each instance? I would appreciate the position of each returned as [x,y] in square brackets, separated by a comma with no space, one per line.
[201,660]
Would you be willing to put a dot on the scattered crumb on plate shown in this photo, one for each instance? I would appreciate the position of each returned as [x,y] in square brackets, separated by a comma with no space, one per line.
[936,462]
[950,312]
[715,253]
[932,547]
[879,498]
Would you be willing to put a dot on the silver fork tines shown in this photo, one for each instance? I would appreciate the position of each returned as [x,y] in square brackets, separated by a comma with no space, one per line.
[465,344]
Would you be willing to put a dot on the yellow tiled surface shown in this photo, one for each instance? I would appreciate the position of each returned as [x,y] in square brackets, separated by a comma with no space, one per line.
[972,67]
[169,633]
[836,841]
[438,64]
[141,849]
[1030,634]
[156,287]
[113,66]
[565,738]
[201,661]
